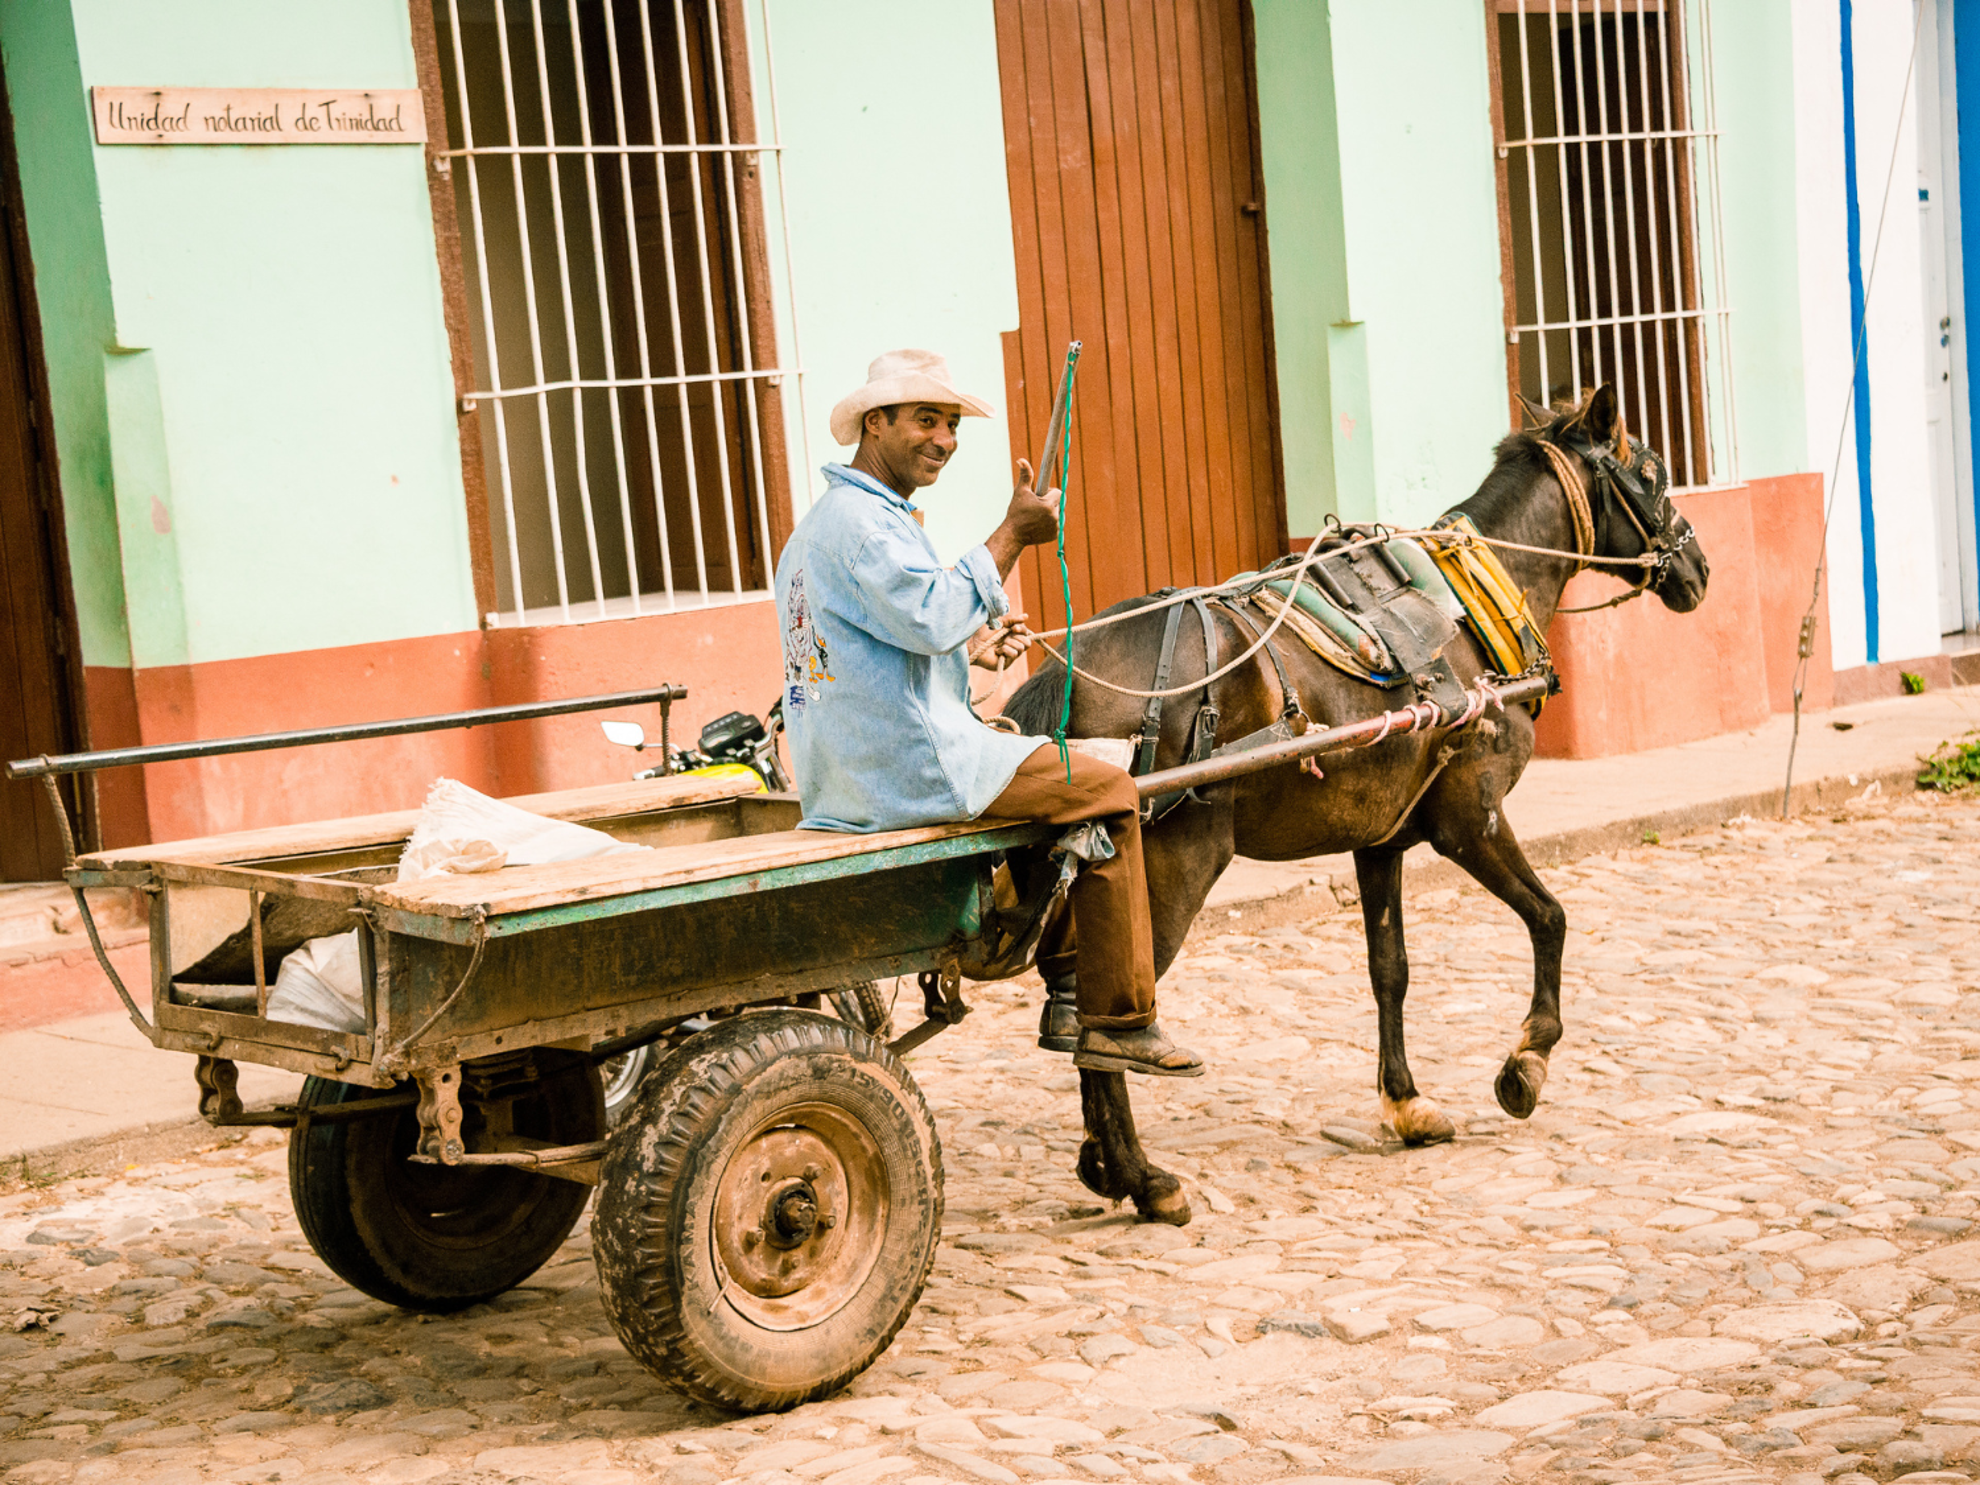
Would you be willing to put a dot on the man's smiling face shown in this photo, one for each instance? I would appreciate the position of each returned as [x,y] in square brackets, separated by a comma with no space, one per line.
[914,443]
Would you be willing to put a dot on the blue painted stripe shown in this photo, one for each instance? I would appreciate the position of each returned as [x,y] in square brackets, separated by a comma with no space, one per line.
[1966,64]
[1859,343]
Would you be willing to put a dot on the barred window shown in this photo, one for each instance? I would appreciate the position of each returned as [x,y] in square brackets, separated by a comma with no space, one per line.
[605,166]
[1608,183]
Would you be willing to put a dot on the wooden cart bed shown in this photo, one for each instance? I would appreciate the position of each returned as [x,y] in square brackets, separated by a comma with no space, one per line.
[708,838]
[585,806]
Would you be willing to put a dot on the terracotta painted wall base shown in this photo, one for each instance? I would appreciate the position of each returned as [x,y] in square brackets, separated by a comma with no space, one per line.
[1640,676]
[728,658]
[1875,682]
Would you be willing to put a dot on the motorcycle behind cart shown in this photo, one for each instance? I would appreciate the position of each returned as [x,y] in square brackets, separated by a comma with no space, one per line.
[769,1206]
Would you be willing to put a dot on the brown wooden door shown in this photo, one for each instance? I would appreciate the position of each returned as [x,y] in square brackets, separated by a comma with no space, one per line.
[1137,217]
[35,691]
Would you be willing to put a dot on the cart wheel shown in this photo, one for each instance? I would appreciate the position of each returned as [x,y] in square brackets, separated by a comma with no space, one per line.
[436,1237]
[622,1076]
[768,1214]
[861,1005]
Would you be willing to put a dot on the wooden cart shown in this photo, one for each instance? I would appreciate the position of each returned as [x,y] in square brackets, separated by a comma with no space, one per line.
[769,1209]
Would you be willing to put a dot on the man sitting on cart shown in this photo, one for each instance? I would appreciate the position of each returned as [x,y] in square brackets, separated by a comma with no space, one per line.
[876,689]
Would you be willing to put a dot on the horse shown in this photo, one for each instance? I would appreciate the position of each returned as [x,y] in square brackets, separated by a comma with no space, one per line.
[1442,786]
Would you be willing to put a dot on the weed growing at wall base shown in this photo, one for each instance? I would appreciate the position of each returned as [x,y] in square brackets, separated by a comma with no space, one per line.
[1952,766]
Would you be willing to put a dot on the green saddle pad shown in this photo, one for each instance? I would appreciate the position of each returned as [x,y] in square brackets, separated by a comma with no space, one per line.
[1351,593]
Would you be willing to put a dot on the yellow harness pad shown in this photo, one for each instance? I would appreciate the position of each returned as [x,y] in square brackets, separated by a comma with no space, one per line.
[1493,604]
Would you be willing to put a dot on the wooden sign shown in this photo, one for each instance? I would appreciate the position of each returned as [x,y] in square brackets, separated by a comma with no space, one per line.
[258,116]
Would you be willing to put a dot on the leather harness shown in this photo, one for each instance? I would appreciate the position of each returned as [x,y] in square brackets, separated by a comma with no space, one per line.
[1484,586]
[1203,730]
[1203,727]
[1571,483]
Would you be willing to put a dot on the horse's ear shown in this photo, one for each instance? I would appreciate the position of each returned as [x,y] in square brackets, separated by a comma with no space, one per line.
[1602,416]
[1536,415]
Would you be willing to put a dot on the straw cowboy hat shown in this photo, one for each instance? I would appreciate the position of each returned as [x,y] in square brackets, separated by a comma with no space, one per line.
[901,376]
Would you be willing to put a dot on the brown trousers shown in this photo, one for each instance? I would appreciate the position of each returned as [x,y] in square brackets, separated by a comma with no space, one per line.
[1112,944]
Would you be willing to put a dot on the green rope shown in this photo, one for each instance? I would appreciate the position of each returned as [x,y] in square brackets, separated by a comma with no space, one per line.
[1065,586]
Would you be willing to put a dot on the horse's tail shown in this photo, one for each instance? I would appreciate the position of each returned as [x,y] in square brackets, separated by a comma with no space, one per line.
[1034,706]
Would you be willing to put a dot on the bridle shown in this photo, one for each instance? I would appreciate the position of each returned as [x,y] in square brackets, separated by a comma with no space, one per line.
[1638,486]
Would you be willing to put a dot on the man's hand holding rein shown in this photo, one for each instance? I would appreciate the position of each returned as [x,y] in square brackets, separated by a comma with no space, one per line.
[1000,644]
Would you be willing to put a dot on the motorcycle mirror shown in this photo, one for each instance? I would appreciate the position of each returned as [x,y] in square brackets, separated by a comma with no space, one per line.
[625,734]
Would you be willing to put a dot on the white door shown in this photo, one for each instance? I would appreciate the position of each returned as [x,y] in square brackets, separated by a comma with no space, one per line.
[1946,424]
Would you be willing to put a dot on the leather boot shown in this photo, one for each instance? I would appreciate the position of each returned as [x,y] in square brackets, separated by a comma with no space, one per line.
[1146,1049]
[1058,1022]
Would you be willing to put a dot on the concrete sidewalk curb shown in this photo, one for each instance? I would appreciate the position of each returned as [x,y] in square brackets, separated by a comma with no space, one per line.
[107,1154]
[1425,871]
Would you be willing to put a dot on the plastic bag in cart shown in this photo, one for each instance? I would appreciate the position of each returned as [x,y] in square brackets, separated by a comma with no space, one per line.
[461,830]
[321,984]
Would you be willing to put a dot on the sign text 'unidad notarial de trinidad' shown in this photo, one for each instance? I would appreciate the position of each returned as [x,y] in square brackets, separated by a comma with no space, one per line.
[258,116]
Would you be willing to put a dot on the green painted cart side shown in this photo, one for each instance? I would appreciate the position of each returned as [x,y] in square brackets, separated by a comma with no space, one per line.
[580,972]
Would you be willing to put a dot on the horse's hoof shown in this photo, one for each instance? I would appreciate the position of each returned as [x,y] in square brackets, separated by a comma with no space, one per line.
[1519,1084]
[1161,1199]
[1418,1122]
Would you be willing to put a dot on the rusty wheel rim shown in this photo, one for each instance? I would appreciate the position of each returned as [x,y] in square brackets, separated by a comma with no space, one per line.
[800,1212]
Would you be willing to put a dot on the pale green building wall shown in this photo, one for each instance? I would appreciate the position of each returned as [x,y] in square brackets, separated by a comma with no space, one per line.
[246,350]
[1301,162]
[1382,211]
[900,222]
[1382,214]
[263,328]
[1753,60]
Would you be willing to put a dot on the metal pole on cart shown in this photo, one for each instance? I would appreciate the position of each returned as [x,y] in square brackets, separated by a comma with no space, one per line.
[48,769]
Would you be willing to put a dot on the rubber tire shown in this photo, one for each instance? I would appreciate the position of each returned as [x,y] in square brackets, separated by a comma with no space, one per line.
[859,1004]
[659,1278]
[434,1238]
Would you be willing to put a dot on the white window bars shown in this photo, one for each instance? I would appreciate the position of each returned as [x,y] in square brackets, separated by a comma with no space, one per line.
[1610,203]
[616,261]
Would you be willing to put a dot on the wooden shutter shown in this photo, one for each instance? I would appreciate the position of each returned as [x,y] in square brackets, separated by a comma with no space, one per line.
[1137,216]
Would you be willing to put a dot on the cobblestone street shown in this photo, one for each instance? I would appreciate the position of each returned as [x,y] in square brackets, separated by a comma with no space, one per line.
[1732,1245]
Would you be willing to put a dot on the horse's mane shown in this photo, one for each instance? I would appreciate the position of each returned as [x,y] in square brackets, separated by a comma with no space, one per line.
[1518,459]
[1516,463]
[1034,706]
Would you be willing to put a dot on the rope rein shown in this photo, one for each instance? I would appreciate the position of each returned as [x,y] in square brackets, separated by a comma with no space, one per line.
[1298,574]
[1065,577]
[1574,488]
[1387,533]
[1570,481]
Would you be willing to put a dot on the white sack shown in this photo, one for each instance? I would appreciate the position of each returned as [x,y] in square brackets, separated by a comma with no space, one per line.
[321,984]
[432,857]
[457,824]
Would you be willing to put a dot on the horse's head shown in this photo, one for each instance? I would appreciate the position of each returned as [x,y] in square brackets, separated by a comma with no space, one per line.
[1630,502]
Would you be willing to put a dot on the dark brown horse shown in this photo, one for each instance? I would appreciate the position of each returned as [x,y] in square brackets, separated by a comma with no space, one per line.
[1380,801]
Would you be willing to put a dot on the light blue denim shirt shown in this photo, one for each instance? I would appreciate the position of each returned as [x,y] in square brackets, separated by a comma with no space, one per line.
[876,681]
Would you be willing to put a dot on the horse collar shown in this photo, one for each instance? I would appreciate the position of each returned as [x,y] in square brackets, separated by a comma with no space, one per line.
[1576,489]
